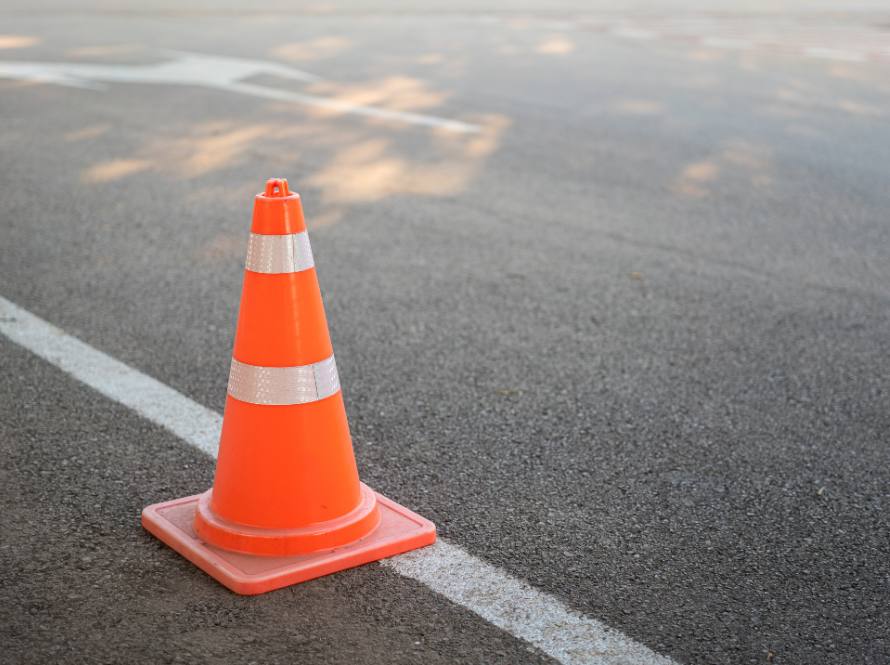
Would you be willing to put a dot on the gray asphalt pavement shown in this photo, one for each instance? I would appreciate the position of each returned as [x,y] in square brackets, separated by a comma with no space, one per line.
[629,341]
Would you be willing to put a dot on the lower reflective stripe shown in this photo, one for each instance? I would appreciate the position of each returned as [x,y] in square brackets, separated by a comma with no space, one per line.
[283,385]
[279,254]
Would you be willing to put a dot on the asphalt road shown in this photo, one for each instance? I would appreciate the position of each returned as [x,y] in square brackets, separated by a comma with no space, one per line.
[628,341]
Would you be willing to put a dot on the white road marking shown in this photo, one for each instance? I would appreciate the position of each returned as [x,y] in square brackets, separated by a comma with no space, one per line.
[519,609]
[340,106]
[215,72]
[632,33]
[728,43]
[151,399]
[841,55]
[493,594]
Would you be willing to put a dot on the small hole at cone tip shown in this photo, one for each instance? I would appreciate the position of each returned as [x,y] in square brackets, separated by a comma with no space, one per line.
[277,187]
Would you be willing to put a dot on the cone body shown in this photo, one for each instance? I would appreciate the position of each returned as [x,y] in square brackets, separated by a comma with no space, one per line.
[286,504]
[286,479]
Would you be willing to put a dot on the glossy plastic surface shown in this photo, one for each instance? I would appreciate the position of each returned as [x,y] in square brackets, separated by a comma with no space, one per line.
[400,530]
[277,210]
[286,503]
[285,469]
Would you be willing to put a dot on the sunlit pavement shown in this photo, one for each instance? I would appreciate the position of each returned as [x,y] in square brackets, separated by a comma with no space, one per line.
[608,291]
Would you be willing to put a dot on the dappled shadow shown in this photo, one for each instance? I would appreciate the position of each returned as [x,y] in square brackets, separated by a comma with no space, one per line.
[430,59]
[85,134]
[401,93]
[797,99]
[105,51]
[555,45]
[642,107]
[18,41]
[311,50]
[349,161]
[735,159]
[373,169]
[210,147]
[114,169]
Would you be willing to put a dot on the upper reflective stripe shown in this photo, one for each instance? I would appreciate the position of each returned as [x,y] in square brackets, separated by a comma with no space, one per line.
[283,385]
[279,254]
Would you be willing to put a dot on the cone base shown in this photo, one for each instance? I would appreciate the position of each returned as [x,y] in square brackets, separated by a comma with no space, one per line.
[400,530]
[338,532]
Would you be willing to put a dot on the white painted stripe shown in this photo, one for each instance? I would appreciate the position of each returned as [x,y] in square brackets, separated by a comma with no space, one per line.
[217,72]
[633,33]
[340,106]
[514,606]
[728,43]
[191,422]
[493,594]
[841,55]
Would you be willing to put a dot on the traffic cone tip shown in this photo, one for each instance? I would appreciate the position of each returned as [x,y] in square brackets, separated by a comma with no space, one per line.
[277,210]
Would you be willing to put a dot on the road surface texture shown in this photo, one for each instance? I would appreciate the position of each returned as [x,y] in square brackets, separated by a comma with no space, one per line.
[609,292]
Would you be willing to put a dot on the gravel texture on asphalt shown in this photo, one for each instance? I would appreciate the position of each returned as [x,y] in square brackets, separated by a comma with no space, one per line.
[630,345]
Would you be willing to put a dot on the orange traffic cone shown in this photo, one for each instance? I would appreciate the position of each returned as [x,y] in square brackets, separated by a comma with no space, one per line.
[286,504]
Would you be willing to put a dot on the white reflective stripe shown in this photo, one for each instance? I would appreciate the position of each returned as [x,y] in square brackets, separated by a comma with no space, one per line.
[279,254]
[283,385]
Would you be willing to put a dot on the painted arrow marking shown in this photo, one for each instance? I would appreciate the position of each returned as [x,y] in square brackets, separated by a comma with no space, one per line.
[215,72]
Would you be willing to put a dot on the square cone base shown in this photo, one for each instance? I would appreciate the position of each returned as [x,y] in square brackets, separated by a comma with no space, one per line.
[400,530]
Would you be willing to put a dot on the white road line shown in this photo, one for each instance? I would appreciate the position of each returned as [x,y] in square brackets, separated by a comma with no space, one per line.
[729,43]
[195,424]
[216,72]
[340,106]
[493,594]
[519,609]
[633,33]
[841,55]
